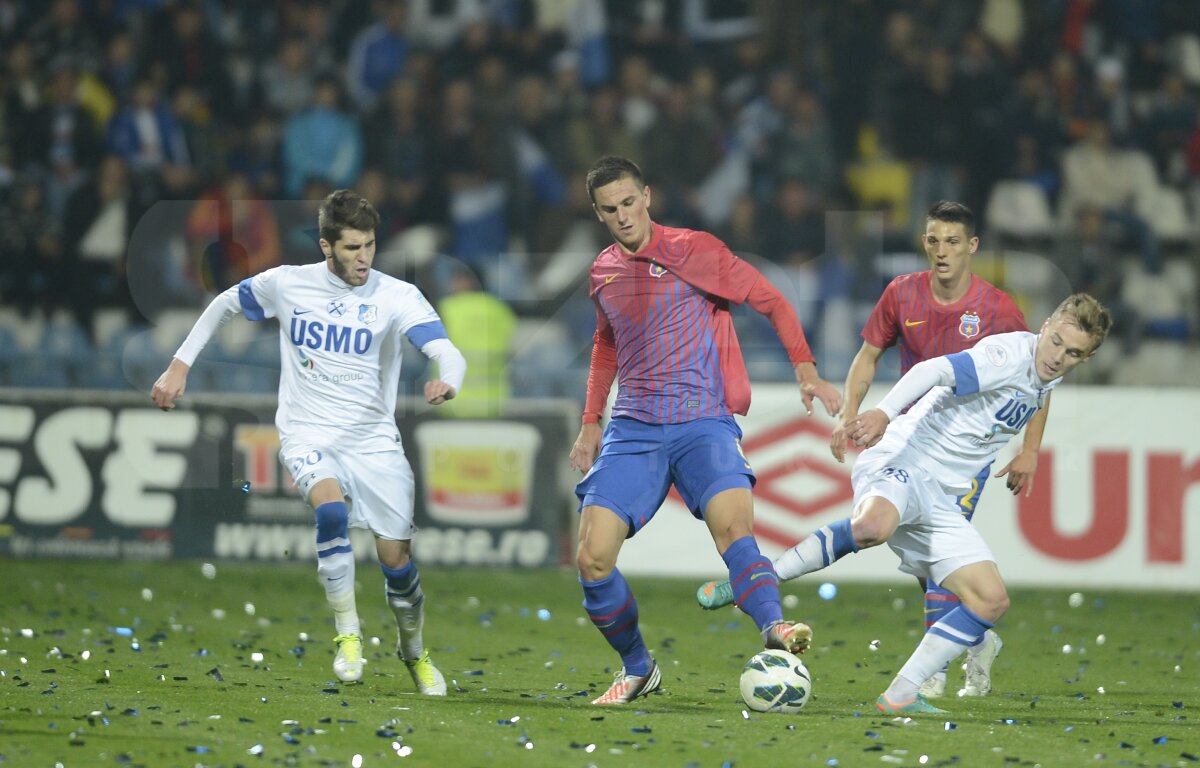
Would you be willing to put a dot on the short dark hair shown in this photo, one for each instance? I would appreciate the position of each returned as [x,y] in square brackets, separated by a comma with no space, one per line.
[345,209]
[612,168]
[953,213]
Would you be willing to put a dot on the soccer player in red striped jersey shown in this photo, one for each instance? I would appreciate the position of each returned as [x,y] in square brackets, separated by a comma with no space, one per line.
[663,328]
[943,310]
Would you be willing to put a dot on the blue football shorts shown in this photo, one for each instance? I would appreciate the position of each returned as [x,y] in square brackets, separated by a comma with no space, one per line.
[638,462]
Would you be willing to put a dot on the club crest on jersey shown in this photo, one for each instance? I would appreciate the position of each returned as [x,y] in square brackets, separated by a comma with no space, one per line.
[657,270]
[968,325]
[336,308]
[368,313]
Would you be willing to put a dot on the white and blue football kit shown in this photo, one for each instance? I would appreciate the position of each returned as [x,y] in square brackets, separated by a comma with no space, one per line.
[340,350]
[974,403]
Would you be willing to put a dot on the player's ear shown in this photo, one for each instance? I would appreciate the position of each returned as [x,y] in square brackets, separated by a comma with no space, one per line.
[974,244]
[646,194]
[326,248]
[597,212]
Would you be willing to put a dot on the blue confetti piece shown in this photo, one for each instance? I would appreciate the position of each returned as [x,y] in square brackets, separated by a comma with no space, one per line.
[1068,729]
[645,729]
[386,733]
[831,761]
[1177,704]
[198,750]
[290,739]
[1160,739]
[124,631]
[1126,745]
[949,726]
[1009,721]
[871,735]
[827,591]
[246,487]
[543,614]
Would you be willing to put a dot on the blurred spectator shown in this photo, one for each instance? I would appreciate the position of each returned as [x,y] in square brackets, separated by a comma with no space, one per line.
[99,219]
[439,23]
[377,54]
[482,327]
[1118,183]
[146,135]
[804,149]
[1172,118]
[600,132]
[119,70]
[1093,265]
[639,95]
[256,153]
[182,44]
[30,250]
[322,142]
[682,148]
[400,143]
[794,233]
[63,32]
[931,133]
[61,139]
[287,79]
[232,235]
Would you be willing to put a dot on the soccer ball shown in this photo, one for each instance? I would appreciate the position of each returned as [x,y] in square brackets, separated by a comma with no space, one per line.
[775,681]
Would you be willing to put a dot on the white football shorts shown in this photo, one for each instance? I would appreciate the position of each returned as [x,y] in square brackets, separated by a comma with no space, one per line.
[378,486]
[934,539]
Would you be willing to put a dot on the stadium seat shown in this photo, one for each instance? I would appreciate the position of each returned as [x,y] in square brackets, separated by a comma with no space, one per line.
[1170,218]
[1018,210]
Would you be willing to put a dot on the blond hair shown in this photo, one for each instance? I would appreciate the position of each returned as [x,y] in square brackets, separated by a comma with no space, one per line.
[1088,314]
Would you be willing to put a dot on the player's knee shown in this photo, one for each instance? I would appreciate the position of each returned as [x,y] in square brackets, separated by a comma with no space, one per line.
[874,524]
[989,603]
[332,519]
[593,565]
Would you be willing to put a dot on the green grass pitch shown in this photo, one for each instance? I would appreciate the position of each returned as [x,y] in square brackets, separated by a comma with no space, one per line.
[138,664]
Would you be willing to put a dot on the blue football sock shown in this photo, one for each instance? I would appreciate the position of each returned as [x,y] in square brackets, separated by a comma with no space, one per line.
[755,585]
[823,547]
[407,601]
[335,564]
[938,603]
[941,645]
[610,605]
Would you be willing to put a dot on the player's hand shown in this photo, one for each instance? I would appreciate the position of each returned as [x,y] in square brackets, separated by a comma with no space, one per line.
[438,392]
[586,447]
[829,395]
[170,385]
[839,441]
[1020,472]
[868,428]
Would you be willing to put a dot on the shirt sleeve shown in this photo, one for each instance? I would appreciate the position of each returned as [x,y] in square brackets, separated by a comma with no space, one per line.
[990,364]
[602,370]
[216,314]
[709,265]
[1009,317]
[418,320]
[882,329]
[256,295]
[452,366]
[922,377]
[766,299]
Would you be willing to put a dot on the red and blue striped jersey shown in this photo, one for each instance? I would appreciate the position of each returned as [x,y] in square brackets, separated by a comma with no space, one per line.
[665,311]
[907,314]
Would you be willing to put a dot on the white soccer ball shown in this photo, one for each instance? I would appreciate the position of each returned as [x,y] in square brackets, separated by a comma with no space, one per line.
[775,681]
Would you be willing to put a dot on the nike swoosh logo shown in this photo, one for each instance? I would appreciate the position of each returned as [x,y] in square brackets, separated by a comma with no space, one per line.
[301,311]
[609,279]
[911,323]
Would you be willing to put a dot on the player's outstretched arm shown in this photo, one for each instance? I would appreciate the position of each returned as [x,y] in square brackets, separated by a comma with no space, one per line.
[812,386]
[858,382]
[170,385]
[1023,467]
[586,448]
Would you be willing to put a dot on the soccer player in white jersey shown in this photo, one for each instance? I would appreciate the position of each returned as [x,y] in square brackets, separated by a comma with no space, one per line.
[906,484]
[340,328]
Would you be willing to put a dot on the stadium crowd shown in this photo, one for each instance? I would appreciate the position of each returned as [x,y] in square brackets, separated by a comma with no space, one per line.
[154,152]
